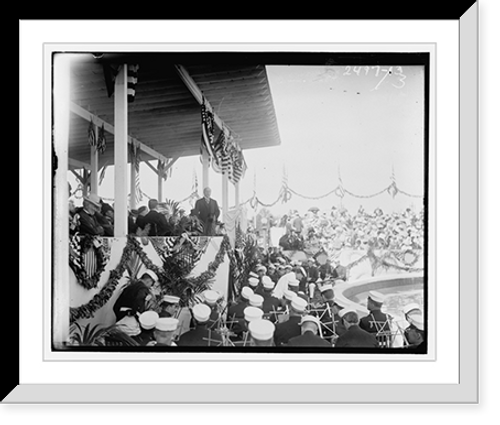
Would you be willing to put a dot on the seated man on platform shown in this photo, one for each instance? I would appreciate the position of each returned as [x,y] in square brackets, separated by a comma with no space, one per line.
[354,336]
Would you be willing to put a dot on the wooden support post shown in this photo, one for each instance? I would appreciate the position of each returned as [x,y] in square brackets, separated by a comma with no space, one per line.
[237,195]
[160,183]
[60,285]
[121,148]
[94,166]
[225,196]
[133,176]
[205,179]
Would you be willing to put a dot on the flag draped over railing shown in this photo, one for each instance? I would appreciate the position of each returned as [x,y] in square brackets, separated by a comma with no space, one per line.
[224,152]
[136,161]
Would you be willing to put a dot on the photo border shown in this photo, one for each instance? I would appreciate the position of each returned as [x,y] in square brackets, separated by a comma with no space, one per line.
[465,391]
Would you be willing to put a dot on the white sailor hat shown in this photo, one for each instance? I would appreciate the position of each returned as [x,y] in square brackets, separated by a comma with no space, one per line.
[267,282]
[417,320]
[289,295]
[288,266]
[346,310]
[412,307]
[253,274]
[167,324]
[151,274]
[246,292]
[256,300]
[210,296]
[252,313]
[376,296]
[293,282]
[261,329]
[171,299]
[341,302]
[299,304]
[253,281]
[310,318]
[201,312]
[148,319]
[327,287]
[261,268]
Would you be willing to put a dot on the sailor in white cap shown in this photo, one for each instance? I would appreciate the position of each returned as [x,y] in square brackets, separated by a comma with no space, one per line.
[261,332]
[169,306]
[284,314]
[252,313]
[137,295]
[415,332]
[147,321]
[256,300]
[211,298]
[271,305]
[309,337]
[354,336]
[165,328]
[376,321]
[235,314]
[200,335]
[290,328]
[253,282]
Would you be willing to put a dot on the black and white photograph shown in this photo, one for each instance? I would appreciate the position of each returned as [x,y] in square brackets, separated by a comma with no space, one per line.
[251,213]
[240,202]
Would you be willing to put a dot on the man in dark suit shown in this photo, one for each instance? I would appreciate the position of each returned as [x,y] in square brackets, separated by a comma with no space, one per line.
[354,336]
[207,211]
[135,296]
[86,216]
[291,328]
[309,337]
[158,222]
[200,335]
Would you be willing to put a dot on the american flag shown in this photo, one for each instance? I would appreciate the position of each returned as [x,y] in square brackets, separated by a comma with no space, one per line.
[207,129]
[101,139]
[136,158]
[91,134]
[222,159]
[132,72]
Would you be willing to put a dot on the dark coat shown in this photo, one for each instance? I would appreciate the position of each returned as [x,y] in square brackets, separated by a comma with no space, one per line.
[358,338]
[368,324]
[199,336]
[158,222]
[207,213]
[89,225]
[286,330]
[308,339]
[133,296]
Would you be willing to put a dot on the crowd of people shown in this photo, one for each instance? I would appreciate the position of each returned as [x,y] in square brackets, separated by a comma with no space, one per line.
[271,310]
[337,228]
[96,217]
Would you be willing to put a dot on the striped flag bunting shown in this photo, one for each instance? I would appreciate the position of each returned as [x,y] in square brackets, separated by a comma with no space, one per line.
[101,139]
[132,72]
[91,134]
[136,159]
[207,129]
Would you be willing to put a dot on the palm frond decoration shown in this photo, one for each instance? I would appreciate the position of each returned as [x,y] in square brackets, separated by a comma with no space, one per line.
[94,335]
[133,266]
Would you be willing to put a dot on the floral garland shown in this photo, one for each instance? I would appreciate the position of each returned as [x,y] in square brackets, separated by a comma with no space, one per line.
[185,288]
[79,246]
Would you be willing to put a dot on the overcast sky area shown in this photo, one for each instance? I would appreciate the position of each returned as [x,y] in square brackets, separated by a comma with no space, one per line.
[359,124]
